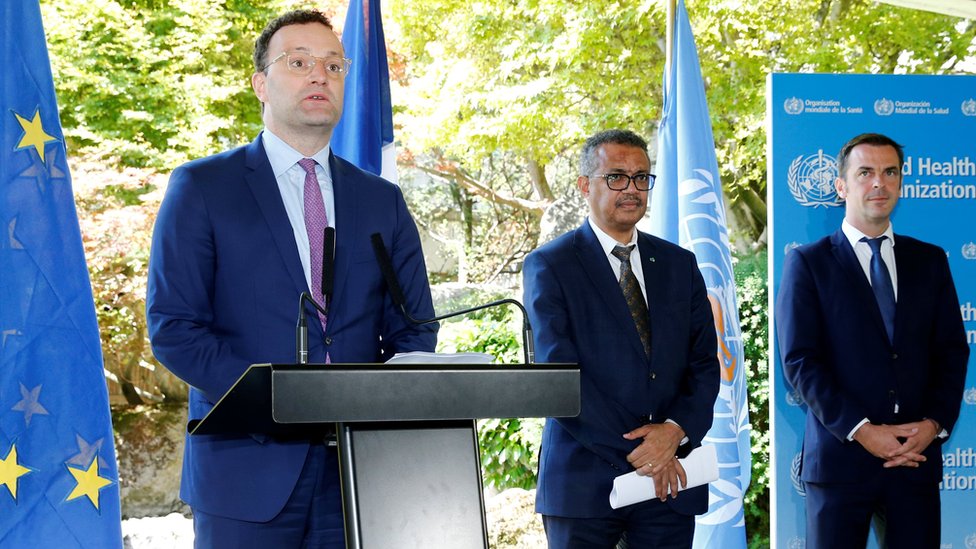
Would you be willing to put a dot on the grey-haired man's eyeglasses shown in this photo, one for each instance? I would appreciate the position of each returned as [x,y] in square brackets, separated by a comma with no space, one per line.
[620,181]
[303,63]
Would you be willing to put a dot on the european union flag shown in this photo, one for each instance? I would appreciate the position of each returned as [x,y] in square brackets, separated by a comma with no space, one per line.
[364,135]
[687,208]
[58,475]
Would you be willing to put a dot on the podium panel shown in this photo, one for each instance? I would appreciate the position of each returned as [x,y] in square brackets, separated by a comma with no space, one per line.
[413,486]
[350,393]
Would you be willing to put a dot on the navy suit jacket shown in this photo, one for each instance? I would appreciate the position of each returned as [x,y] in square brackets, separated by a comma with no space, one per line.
[223,292]
[836,354]
[580,316]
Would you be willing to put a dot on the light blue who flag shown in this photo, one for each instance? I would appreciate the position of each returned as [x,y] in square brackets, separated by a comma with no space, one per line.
[58,475]
[687,208]
[364,135]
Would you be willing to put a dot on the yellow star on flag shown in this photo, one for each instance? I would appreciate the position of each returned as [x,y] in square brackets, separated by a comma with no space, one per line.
[89,483]
[10,471]
[34,134]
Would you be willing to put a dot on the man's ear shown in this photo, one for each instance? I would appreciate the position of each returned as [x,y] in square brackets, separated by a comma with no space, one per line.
[841,187]
[583,184]
[258,81]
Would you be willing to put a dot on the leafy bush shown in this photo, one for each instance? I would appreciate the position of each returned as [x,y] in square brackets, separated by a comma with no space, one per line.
[753,298]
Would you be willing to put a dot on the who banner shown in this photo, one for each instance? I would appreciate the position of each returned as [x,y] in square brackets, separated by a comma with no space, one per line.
[934,117]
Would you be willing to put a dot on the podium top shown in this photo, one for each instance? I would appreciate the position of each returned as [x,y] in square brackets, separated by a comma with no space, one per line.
[279,399]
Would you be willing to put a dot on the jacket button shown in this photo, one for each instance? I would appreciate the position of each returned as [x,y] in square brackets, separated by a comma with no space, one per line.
[328,341]
[894,356]
[653,375]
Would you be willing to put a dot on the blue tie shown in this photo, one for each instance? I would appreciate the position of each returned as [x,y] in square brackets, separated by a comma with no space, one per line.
[881,284]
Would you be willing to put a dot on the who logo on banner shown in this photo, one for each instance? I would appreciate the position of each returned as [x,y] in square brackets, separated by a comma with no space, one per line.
[968,107]
[969,250]
[793,105]
[969,396]
[884,107]
[811,180]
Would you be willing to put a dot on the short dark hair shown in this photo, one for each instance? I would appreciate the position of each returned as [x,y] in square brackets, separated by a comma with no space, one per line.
[874,139]
[618,137]
[296,17]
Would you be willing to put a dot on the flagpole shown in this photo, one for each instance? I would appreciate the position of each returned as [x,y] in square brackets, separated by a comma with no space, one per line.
[669,41]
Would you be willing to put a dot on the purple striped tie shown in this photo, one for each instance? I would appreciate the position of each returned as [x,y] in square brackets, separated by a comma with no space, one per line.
[316,220]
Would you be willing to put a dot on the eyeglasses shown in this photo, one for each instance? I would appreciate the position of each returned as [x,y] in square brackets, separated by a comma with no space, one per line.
[620,181]
[303,63]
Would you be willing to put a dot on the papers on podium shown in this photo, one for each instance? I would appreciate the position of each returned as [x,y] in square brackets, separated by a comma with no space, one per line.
[424,357]
[701,467]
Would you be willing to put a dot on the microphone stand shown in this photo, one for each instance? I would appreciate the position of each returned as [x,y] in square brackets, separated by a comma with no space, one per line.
[396,293]
[528,345]
[301,331]
[328,279]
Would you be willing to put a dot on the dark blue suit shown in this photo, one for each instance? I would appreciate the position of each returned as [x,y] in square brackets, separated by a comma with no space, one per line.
[580,315]
[836,354]
[224,283]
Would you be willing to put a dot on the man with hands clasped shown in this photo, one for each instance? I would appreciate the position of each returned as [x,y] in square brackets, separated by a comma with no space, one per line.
[632,311]
[871,337]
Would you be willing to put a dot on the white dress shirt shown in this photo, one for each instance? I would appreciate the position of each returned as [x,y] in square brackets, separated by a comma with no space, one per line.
[291,185]
[863,251]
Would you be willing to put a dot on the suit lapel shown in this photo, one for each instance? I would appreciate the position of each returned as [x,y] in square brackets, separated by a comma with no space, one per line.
[595,264]
[347,204]
[652,284]
[261,180]
[863,294]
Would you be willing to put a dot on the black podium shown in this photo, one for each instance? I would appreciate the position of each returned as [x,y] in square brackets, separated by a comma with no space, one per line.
[408,444]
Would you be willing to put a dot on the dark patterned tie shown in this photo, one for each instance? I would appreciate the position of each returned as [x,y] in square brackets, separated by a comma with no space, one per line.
[316,221]
[634,297]
[884,292]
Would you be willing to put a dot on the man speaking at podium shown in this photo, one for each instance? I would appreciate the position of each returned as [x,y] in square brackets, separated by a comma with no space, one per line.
[632,311]
[238,238]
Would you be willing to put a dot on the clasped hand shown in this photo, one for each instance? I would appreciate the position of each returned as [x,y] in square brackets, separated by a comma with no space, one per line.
[883,441]
[655,457]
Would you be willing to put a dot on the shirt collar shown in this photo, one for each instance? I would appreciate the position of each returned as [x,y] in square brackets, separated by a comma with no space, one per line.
[854,235]
[282,156]
[607,242]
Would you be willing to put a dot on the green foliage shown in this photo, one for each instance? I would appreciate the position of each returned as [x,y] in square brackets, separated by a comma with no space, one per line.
[510,452]
[155,84]
[752,294]
[530,78]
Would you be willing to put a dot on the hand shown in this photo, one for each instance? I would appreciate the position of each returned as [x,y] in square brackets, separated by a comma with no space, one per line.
[657,450]
[882,442]
[925,432]
[670,479]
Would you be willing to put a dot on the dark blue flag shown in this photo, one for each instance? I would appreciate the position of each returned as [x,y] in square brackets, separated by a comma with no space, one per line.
[58,474]
[364,135]
[687,208]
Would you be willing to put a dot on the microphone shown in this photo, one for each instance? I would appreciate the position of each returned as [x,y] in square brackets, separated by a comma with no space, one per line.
[328,284]
[396,294]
